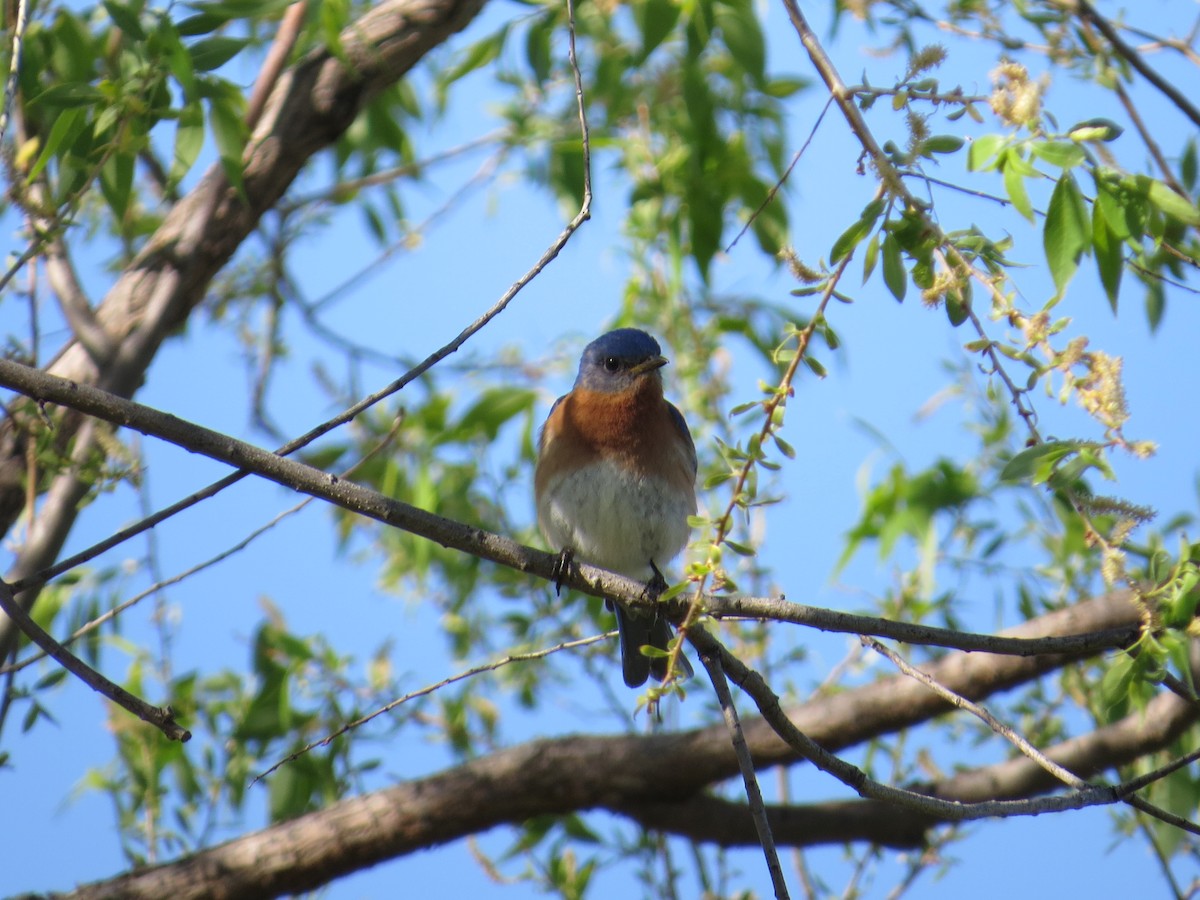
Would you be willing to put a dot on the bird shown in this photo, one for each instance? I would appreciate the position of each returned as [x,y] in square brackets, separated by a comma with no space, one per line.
[615,481]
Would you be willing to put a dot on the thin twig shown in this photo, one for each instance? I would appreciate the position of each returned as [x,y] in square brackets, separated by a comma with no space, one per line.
[1068,778]
[778,610]
[724,523]
[162,719]
[782,178]
[380,445]
[858,780]
[431,688]
[758,812]
[14,66]
[1170,91]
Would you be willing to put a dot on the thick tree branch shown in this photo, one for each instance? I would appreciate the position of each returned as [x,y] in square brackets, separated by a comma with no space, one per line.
[729,824]
[654,779]
[312,105]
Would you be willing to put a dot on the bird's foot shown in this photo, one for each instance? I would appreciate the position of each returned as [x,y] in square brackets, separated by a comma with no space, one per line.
[657,584]
[562,569]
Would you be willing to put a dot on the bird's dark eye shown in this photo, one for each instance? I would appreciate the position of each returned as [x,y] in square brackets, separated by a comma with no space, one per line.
[611,363]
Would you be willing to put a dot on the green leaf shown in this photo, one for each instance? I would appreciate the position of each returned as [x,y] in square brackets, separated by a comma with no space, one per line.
[1036,463]
[705,224]
[1067,234]
[941,143]
[178,59]
[958,306]
[870,257]
[228,125]
[771,227]
[782,88]
[982,155]
[1064,154]
[1095,130]
[740,549]
[239,9]
[116,182]
[333,16]
[537,48]
[212,53]
[476,56]
[1188,165]
[1112,204]
[894,274]
[1169,202]
[64,131]
[853,236]
[126,19]
[201,23]
[655,19]
[1014,185]
[744,39]
[74,54]
[1114,686]
[189,138]
[1156,301]
[1110,256]
[492,410]
[67,96]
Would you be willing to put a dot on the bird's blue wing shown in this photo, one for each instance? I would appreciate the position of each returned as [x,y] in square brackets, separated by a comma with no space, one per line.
[681,424]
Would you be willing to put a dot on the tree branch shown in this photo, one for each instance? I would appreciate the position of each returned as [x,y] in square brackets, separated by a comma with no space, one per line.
[162,719]
[655,779]
[312,105]
[1088,13]
[248,458]
[754,798]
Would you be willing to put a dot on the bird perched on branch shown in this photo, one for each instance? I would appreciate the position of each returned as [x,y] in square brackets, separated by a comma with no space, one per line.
[616,481]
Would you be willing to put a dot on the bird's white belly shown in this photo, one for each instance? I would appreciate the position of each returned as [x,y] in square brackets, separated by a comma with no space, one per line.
[616,519]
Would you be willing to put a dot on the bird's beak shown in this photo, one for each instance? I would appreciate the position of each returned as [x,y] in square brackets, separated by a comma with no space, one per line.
[654,362]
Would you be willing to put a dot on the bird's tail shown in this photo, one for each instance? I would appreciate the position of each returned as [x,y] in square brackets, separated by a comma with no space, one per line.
[636,632]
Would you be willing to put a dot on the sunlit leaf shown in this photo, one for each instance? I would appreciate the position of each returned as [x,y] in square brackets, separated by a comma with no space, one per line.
[853,236]
[1067,233]
[214,52]
[894,274]
[1110,255]
[1035,463]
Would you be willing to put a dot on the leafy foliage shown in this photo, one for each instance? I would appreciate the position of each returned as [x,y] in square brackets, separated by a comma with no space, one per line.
[693,118]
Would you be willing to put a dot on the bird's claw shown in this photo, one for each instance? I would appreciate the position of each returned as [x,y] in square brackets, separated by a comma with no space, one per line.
[657,583]
[562,568]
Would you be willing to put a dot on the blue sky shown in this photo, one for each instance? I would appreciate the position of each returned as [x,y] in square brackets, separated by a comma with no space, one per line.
[893,363]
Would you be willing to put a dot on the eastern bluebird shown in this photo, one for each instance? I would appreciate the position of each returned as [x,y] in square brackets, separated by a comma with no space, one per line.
[616,480]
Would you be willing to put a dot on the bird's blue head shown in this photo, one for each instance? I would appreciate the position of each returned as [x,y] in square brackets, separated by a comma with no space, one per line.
[615,361]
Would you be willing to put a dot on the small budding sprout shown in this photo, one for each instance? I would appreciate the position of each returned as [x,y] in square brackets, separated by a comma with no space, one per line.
[1101,392]
[1035,328]
[1015,98]
[926,58]
[799,270]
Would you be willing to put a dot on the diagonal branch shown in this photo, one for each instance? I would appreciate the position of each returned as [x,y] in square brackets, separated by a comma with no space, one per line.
[758,812]
[46,388]
[162,719]
[312,105]
[1088,13]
